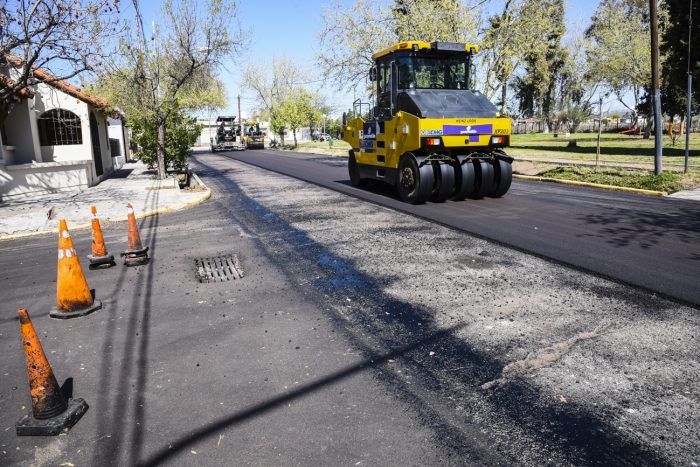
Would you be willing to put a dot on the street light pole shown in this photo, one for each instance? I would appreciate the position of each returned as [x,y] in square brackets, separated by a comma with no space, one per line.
[656,93]
[688,114]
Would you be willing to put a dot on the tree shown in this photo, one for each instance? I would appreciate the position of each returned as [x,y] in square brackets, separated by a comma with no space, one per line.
[179,71]
[63,37]
[350,36]
[181,135]
[506,41]
[621,55]
[272,85]
[674,49]
[543,60]
[298,110]
[435,20]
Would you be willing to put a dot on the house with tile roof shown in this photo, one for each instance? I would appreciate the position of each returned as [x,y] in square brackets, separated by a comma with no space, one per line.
[56,137]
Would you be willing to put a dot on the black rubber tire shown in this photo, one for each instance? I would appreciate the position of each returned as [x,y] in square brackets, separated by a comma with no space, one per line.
[444,182]
[354,171]
[484,178]
[465,178]
[419,187]
[503,172]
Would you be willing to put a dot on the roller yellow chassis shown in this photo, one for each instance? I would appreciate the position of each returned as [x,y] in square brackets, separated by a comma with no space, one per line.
[404,132]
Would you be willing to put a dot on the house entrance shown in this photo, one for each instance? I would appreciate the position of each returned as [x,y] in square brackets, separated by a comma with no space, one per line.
[96,150]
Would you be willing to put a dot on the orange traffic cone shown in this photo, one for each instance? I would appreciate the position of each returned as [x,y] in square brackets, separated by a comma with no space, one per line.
[52,412]
[135,254]
[73,297]
[99,257]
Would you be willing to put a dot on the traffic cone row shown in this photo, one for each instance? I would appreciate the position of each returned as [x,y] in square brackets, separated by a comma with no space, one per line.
[54,412]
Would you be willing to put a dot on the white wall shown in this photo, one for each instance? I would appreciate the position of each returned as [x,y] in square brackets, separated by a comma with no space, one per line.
[39,179]
[20,134]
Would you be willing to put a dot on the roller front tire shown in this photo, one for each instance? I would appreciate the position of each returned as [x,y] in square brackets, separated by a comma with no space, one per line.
[415,183]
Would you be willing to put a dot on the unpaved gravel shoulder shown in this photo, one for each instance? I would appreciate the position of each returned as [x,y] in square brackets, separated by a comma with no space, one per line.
[549,345]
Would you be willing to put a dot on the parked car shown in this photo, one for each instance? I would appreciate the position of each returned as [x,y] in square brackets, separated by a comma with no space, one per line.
[322,137]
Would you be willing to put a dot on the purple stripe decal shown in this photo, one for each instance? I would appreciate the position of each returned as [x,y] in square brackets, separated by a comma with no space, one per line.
[485,129]
[473,138]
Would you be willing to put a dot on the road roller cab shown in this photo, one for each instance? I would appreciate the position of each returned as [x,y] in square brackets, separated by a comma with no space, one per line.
[430,134]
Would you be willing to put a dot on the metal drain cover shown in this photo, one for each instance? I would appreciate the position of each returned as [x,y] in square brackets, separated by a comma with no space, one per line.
[218,269]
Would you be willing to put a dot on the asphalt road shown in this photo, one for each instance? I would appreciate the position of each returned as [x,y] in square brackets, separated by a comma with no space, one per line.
[357,336]
[649,242]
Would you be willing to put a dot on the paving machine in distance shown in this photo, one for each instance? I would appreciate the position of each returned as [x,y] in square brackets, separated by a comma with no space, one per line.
[228,134]
[431,135]
[253,137]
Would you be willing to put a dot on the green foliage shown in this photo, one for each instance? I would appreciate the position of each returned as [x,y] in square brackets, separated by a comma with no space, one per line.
[667,181]
[621,53]
[181,133]
[544,58]
[351,35]
[434,20]
[674,49]
[575,114]
[298,110]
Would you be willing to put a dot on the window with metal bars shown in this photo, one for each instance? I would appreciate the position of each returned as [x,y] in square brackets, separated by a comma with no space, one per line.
[59,127]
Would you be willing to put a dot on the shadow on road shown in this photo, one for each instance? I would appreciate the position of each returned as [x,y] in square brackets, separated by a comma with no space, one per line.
[260,409]
[622,227]
[128,401]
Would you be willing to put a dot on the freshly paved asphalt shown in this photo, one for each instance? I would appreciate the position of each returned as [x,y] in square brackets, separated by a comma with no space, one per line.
[645,241]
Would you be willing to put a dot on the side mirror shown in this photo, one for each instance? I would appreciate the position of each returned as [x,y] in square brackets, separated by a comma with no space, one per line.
[373,73]
[345,119]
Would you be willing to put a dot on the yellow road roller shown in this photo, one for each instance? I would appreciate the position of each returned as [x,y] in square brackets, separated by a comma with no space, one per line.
[430,134]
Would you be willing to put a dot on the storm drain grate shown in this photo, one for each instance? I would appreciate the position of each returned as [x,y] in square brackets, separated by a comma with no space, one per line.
[218,269]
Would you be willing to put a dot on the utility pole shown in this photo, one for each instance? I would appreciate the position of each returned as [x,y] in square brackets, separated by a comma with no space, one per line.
[688,114]
[600,129]
[240,118]
[655,92]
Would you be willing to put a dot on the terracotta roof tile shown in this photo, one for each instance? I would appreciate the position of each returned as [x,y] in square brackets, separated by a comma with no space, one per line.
[60,84]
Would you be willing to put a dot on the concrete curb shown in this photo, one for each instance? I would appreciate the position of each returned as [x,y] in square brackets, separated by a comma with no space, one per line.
[164,210]
[638,191]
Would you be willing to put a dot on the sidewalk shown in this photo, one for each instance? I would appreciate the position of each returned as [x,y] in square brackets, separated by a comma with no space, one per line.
[133,183]
[687,194]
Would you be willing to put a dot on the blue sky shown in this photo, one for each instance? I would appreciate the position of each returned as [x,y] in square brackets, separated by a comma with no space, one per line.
[289,28]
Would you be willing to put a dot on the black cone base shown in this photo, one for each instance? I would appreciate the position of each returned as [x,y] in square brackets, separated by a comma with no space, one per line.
[136,257]
[61,423]
[101,262]
[60,314]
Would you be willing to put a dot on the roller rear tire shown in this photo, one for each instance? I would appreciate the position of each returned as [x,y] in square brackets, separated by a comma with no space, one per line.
[444,182]
[465,178]
[503,172]
[484,178]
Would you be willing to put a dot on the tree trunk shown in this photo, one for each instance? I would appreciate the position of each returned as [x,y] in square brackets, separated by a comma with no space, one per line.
[648,127]
[504,96]
[294,132]
[161,151]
